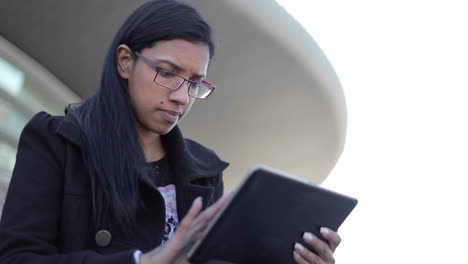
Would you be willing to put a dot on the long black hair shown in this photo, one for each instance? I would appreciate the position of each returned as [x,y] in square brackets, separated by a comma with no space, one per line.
[113,150]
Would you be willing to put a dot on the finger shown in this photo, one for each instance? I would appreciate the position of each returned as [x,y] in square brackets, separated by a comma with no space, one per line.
[220,203]
[225,197]
[202,220]
[321,247]
[186,223]
[176,246]
[199,222]
[332,237]
[192,226]
[297,257]
[303,256]
[191,215]
[213,209]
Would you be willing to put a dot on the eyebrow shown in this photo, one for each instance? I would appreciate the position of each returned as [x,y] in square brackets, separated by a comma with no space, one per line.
[178,69]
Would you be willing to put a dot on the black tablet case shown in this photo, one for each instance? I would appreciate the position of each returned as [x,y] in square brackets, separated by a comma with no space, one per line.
[267,216]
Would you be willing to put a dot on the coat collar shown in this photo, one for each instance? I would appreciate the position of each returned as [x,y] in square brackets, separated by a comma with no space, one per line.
[193,160]
[189,159]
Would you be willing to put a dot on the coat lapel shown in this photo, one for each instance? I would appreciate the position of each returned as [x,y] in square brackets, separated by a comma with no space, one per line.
[194,167]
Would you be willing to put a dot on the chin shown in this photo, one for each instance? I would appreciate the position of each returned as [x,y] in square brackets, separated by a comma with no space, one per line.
[164,130]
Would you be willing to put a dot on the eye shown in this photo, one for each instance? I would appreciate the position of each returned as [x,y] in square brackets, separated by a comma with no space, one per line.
[166,73]
[194,86]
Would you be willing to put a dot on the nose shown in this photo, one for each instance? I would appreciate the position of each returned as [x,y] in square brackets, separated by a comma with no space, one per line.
[181,95]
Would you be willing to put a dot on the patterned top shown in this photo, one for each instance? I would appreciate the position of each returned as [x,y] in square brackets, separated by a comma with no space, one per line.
[162,177]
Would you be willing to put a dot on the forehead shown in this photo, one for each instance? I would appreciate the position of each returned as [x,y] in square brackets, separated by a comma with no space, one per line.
[191,57]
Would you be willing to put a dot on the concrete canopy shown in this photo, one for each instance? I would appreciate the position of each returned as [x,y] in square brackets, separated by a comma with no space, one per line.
[279,101]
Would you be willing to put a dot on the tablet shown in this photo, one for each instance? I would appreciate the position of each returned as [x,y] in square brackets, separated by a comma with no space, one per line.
[265,218]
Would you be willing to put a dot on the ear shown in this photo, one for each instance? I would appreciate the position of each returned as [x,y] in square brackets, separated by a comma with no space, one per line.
[124,61]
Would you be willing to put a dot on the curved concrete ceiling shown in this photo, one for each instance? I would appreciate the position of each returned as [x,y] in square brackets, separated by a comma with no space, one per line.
[278,102]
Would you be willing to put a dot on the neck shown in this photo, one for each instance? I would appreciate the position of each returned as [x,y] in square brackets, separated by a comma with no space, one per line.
[152,146]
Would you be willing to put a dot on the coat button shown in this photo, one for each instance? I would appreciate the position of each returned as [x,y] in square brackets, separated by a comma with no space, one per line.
[103,238]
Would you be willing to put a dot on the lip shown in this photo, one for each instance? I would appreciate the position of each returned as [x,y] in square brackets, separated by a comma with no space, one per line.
[170,116]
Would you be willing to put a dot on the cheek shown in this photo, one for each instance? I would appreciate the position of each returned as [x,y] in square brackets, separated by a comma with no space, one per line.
[139,102]
[142,94]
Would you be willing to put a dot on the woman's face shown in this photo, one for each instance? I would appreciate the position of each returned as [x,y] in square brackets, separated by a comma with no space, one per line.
[159,109]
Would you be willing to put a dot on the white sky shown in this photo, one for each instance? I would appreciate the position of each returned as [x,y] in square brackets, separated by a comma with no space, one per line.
[403,66]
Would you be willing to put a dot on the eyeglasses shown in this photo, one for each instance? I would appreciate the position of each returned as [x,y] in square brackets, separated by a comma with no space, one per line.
[171,80]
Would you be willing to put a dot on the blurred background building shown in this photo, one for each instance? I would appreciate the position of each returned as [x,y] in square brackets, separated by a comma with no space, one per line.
[279,101]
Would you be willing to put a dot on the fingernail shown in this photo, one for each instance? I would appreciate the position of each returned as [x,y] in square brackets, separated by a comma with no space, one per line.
[324,230]
[298,247]
[308,236]
[297,256]
[198,200]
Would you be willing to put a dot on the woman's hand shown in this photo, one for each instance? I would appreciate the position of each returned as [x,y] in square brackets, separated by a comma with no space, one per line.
[324,249]
[189,231]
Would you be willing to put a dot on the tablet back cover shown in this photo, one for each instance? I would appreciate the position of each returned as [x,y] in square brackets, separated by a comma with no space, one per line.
[267,217]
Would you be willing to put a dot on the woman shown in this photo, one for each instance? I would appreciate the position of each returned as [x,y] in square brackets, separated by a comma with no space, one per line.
[114,176]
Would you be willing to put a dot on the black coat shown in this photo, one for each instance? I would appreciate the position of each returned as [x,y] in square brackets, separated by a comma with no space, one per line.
[47,216]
